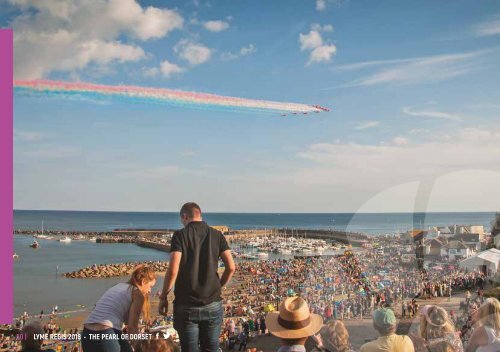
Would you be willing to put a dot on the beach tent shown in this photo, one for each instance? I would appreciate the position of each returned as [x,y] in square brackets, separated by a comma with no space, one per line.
[489,258]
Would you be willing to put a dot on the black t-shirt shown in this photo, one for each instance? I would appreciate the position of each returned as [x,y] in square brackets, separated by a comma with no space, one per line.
[198,282]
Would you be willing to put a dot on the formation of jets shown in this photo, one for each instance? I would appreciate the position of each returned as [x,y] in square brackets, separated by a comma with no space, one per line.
[317,111]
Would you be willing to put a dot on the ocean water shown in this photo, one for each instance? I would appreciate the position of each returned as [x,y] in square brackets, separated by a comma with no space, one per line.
[37,285]
[370,223]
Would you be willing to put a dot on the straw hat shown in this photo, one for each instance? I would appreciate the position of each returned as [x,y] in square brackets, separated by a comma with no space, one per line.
[294,320]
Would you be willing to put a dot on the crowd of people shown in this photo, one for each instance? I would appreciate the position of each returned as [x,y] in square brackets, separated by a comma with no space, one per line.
[294,300]
[340,287]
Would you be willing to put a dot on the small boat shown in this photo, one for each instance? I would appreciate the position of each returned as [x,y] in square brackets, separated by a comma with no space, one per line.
[15,256]
[249,256]
[263,255]
[65,239]
[41,236]
[35,244]
[92,239]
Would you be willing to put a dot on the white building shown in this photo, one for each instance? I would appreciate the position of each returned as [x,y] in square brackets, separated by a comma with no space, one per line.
[472,240]
[486,261]
[455,250]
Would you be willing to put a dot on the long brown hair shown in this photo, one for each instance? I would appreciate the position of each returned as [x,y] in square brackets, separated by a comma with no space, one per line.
[143,274]
[435,324]
[489,313]
[335,336]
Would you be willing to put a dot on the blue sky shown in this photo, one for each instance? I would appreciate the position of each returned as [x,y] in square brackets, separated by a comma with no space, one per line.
[412,87]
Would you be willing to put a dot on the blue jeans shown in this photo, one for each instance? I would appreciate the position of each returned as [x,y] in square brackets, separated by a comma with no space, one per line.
[199,327]
[104,343]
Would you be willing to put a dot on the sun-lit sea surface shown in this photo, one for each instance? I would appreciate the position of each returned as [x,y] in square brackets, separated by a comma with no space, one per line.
[373,223]
[37,285]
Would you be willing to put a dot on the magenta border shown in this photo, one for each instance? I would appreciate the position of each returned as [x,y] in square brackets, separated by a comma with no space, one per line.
[6,185]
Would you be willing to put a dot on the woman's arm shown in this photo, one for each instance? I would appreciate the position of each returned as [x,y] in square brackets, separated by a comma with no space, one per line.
[478,338]
[135,311]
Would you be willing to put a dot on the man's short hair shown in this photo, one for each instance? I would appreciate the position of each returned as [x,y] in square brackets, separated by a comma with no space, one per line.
[29,332]
[190,209]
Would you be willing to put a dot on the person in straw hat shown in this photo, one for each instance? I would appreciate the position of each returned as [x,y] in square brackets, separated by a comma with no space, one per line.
[293,324]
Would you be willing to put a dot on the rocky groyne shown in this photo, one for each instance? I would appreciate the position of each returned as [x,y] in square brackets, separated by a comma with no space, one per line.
[114,270]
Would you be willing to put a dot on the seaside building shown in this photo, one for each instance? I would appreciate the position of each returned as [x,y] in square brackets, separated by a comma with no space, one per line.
[455,250]
[432,247]
[415,236]
[472,240]
[495,230]
[486,261]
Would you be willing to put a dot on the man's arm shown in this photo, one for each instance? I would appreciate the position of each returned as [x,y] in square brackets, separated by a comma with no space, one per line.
[229,267]
[171,274]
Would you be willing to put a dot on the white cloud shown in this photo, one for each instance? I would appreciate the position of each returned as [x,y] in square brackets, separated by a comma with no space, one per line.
[322,53]
[431,114]
[216,26]
[419,131]
[102,53]
[166,69]
[310,40]
[314,43]
[399,140]
[320,5]
[367,124]
[244,51]
[155,23]
[28,136]
[194,53]
[417,70]
[52,152]
[491,27]
[387,164]
[53,35]
[484,106]
[151,71]
[146,173]
[322,28]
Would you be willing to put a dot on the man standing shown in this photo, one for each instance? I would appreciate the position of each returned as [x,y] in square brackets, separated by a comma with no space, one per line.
[194,255]
[384,321]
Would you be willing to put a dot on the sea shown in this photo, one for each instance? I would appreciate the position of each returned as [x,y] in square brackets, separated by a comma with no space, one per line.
[38,284]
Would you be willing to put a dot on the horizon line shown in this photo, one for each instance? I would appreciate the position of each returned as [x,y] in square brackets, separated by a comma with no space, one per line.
[253,212]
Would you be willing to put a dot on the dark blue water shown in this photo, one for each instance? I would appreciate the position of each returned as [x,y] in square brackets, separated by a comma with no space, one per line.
[372,223]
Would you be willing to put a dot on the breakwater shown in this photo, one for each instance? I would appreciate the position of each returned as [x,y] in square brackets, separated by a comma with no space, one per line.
[114,270]
[165,247]
[354,238]
[115,240]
